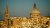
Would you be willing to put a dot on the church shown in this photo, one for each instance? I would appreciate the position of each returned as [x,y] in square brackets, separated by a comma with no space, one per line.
[34,21]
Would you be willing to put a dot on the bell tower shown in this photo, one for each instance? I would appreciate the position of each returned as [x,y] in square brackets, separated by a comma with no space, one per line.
[6,16]
[6,11]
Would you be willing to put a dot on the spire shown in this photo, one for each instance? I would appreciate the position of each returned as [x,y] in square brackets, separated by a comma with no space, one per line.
[6,5]
[34,5]
[7,20]
[6,11]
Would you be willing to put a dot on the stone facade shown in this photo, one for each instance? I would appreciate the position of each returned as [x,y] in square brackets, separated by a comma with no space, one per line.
[34,21]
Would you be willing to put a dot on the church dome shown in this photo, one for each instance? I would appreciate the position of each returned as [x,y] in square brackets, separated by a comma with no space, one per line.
[35,10]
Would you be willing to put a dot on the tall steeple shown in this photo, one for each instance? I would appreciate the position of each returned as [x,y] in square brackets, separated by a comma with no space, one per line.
[6,16]
[6,11]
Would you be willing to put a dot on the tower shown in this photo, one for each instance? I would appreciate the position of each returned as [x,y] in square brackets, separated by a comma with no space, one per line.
[34,12]
[6,16]
[6,11]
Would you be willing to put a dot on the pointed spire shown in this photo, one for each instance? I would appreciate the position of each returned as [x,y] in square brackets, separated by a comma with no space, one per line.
[7,5]
[7,20]
[6,11]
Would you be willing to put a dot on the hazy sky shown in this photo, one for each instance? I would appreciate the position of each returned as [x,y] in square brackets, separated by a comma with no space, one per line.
[23,7]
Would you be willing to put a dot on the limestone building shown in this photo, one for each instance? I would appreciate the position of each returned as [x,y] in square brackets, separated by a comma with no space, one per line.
[34,21]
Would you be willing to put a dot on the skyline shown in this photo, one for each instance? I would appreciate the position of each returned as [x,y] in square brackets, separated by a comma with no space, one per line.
[23,7]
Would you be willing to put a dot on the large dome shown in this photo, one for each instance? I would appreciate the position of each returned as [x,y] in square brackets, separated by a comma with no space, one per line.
[35,10]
